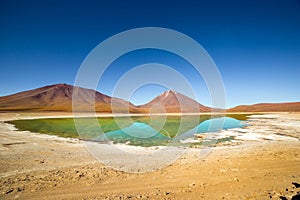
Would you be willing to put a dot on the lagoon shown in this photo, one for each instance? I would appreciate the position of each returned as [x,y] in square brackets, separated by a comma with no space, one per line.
[138,131]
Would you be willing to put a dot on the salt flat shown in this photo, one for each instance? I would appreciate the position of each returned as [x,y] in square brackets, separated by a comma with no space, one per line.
[261,162]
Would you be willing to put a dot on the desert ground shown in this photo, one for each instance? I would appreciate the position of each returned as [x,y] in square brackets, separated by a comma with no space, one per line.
[263,162]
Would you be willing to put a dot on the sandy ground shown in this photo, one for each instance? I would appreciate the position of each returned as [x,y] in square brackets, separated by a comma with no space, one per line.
[261,163]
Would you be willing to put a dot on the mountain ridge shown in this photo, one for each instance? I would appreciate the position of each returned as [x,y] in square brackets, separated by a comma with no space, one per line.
[267,107]
[59,97]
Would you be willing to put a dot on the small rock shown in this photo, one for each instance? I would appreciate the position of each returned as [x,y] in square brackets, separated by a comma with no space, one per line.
[282,198]
[192,184]
[167,193]
[9,191]
[297,185]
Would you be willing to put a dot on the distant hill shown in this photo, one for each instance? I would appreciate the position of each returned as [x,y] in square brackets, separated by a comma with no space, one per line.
[58,97]
[268,107]
[174,102]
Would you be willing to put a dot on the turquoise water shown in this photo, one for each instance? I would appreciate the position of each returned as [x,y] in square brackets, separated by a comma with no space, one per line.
[217,124]
[140,131]
[212,125]
[141,134]
[138,134]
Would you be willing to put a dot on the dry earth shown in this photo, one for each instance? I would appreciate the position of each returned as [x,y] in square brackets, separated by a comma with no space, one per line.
[261,165]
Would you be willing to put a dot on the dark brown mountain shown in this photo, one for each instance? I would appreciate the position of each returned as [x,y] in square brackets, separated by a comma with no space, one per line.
[268,107]
[174,102]
[58,97]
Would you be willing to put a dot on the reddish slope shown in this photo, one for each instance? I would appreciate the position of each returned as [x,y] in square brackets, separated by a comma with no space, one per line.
[174,102]
[268,107]
[58,97]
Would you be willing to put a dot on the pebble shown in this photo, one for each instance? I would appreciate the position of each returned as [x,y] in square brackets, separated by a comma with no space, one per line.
[297,185]
[192,184]
[9,191]
[282,197]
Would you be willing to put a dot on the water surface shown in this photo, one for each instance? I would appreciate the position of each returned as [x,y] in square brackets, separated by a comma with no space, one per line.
[139,131]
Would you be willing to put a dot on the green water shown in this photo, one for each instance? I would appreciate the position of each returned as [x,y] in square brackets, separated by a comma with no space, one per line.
[141,131]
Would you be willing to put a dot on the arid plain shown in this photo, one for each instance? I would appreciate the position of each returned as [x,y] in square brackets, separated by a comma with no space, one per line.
[262,163]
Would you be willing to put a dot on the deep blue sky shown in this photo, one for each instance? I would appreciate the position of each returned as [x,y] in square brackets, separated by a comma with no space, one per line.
[255,44]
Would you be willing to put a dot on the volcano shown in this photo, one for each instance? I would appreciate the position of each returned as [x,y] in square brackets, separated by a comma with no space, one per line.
[174,102]
[58,97]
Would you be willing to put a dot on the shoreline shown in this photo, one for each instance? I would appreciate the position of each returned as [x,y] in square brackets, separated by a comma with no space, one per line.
[35,166]
[242,137]
[233,132]
[7,116]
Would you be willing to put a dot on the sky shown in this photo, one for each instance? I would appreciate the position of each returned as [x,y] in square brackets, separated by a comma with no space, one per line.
[254,44]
